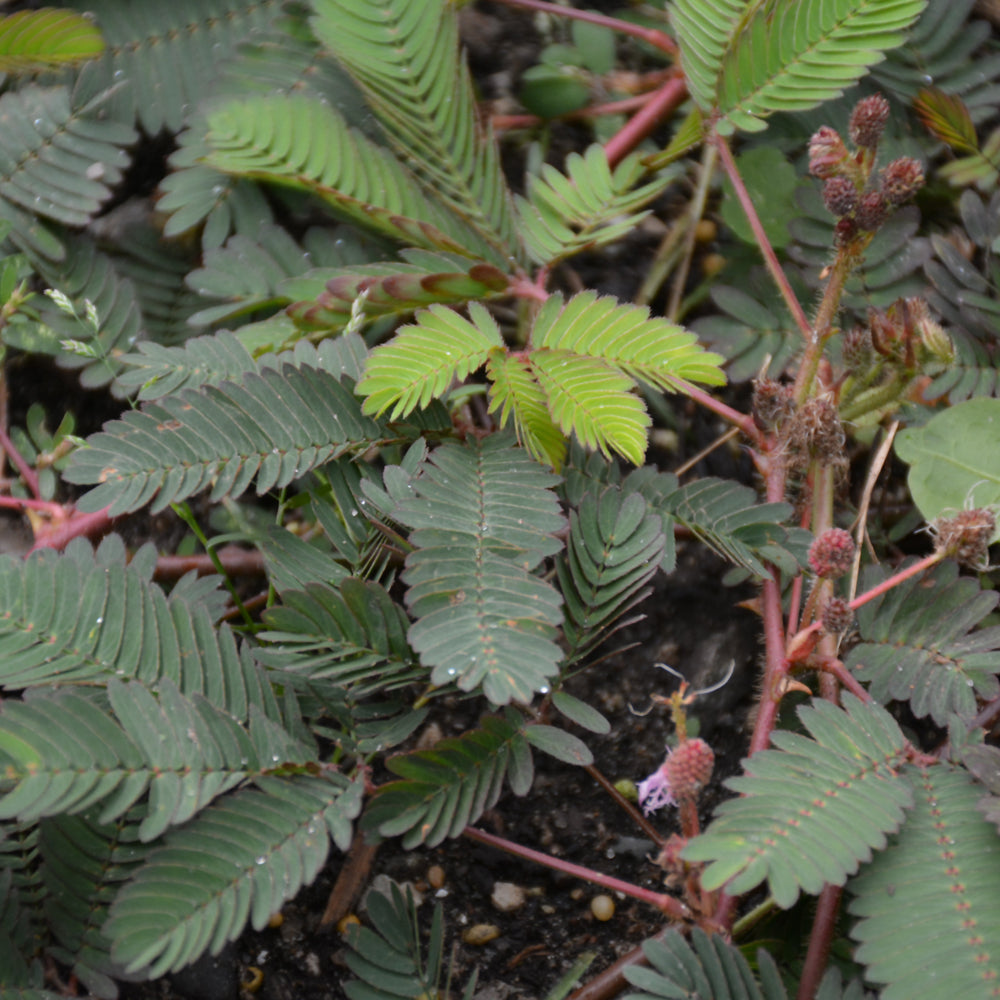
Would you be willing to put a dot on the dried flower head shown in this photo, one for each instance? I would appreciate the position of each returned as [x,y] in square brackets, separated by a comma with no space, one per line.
[872,211]
[902,179]
[831,554]
[827,153]
[816,431]
[772,403]
[966,536]
[840,195]
[868,121]
[837,616]
[857,349]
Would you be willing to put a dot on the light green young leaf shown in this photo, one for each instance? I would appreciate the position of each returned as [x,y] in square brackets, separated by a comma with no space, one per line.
[425,357]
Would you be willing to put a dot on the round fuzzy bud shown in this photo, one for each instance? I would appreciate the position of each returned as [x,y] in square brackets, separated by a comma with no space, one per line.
[871,211]
[837,616]
[857,349]
[689,768]
[816,431]
[844,232]
[772,403]
[902,179]
[966,536]
[868,121]
[827,153]
[831,554]
[840,195]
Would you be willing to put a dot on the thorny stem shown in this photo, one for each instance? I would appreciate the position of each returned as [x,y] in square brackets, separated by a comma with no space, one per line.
[658,39]
[669,905]
[770,257]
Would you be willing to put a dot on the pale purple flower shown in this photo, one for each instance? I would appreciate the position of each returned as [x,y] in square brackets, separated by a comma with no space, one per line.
[654,792]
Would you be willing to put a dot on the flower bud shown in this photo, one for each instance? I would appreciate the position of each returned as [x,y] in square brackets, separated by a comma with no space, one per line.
[840,195]
[868,121]
[901,180]
[837,616]
[831,554]
[689,768]
[872,211]
[827,153]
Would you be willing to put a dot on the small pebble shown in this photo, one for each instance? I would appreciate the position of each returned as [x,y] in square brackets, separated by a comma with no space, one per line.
[479,934]
[435,876]
[507,897]
[276,920]
[603,907]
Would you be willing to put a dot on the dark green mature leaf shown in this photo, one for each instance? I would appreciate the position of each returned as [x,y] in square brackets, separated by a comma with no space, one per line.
[71,618]
[926,906]
[919,644]
[84,864]
[274,426]
[811,810]
[169,55]
[406,59]
[483,516]
[615,546]
[238,860]
[708,968]
[444,789]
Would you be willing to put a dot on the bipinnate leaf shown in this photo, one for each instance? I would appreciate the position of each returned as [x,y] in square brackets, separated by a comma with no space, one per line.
[615,546]
[483,516]
[708,967]
[425,357]
[920,644]
[926,905]
[745,61]
[442,790]
[406,59]
[238,860]
[953,462]
[62,753]
[272,426]
[70,618]
[584,208]
[812,810]
[947,117]
[32,40]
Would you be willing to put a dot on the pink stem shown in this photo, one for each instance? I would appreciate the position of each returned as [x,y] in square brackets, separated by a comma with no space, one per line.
[27,472]
[666,100]
[666,904]
[658,39]
[79,524]
[734,417]
[45,506]
[770,257]
[824,924]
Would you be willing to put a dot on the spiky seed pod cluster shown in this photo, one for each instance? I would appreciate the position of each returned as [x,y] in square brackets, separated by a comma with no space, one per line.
[868,120]
[689,768]
[831,554]
[837,616]
[772,403]
[901,180]
[966,536]
[816,431]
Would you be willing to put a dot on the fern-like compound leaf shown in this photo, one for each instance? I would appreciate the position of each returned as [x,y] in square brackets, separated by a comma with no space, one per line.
[707,967]
[406,59]
[238,860]
[59,161]
[745,61]
[67,618]
[615,547]
[274,426]
[389,959]
[811,810]
[83,865]
[926,906]
[62,754]
[483,516]
[515,392]
[919,644]
[442,791]
[169,55]
[586,207]
[424,358]
[305,143]
[37,39]
[651,349]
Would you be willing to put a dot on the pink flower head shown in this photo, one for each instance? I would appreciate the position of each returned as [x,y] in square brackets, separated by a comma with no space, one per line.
[654,792]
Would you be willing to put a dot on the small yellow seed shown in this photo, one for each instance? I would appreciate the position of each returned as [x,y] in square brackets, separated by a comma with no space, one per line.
[603,907]
[712,264]
[254,980]
[479,934]
[344,922]
[435,876]
[277,919]
[705,231]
